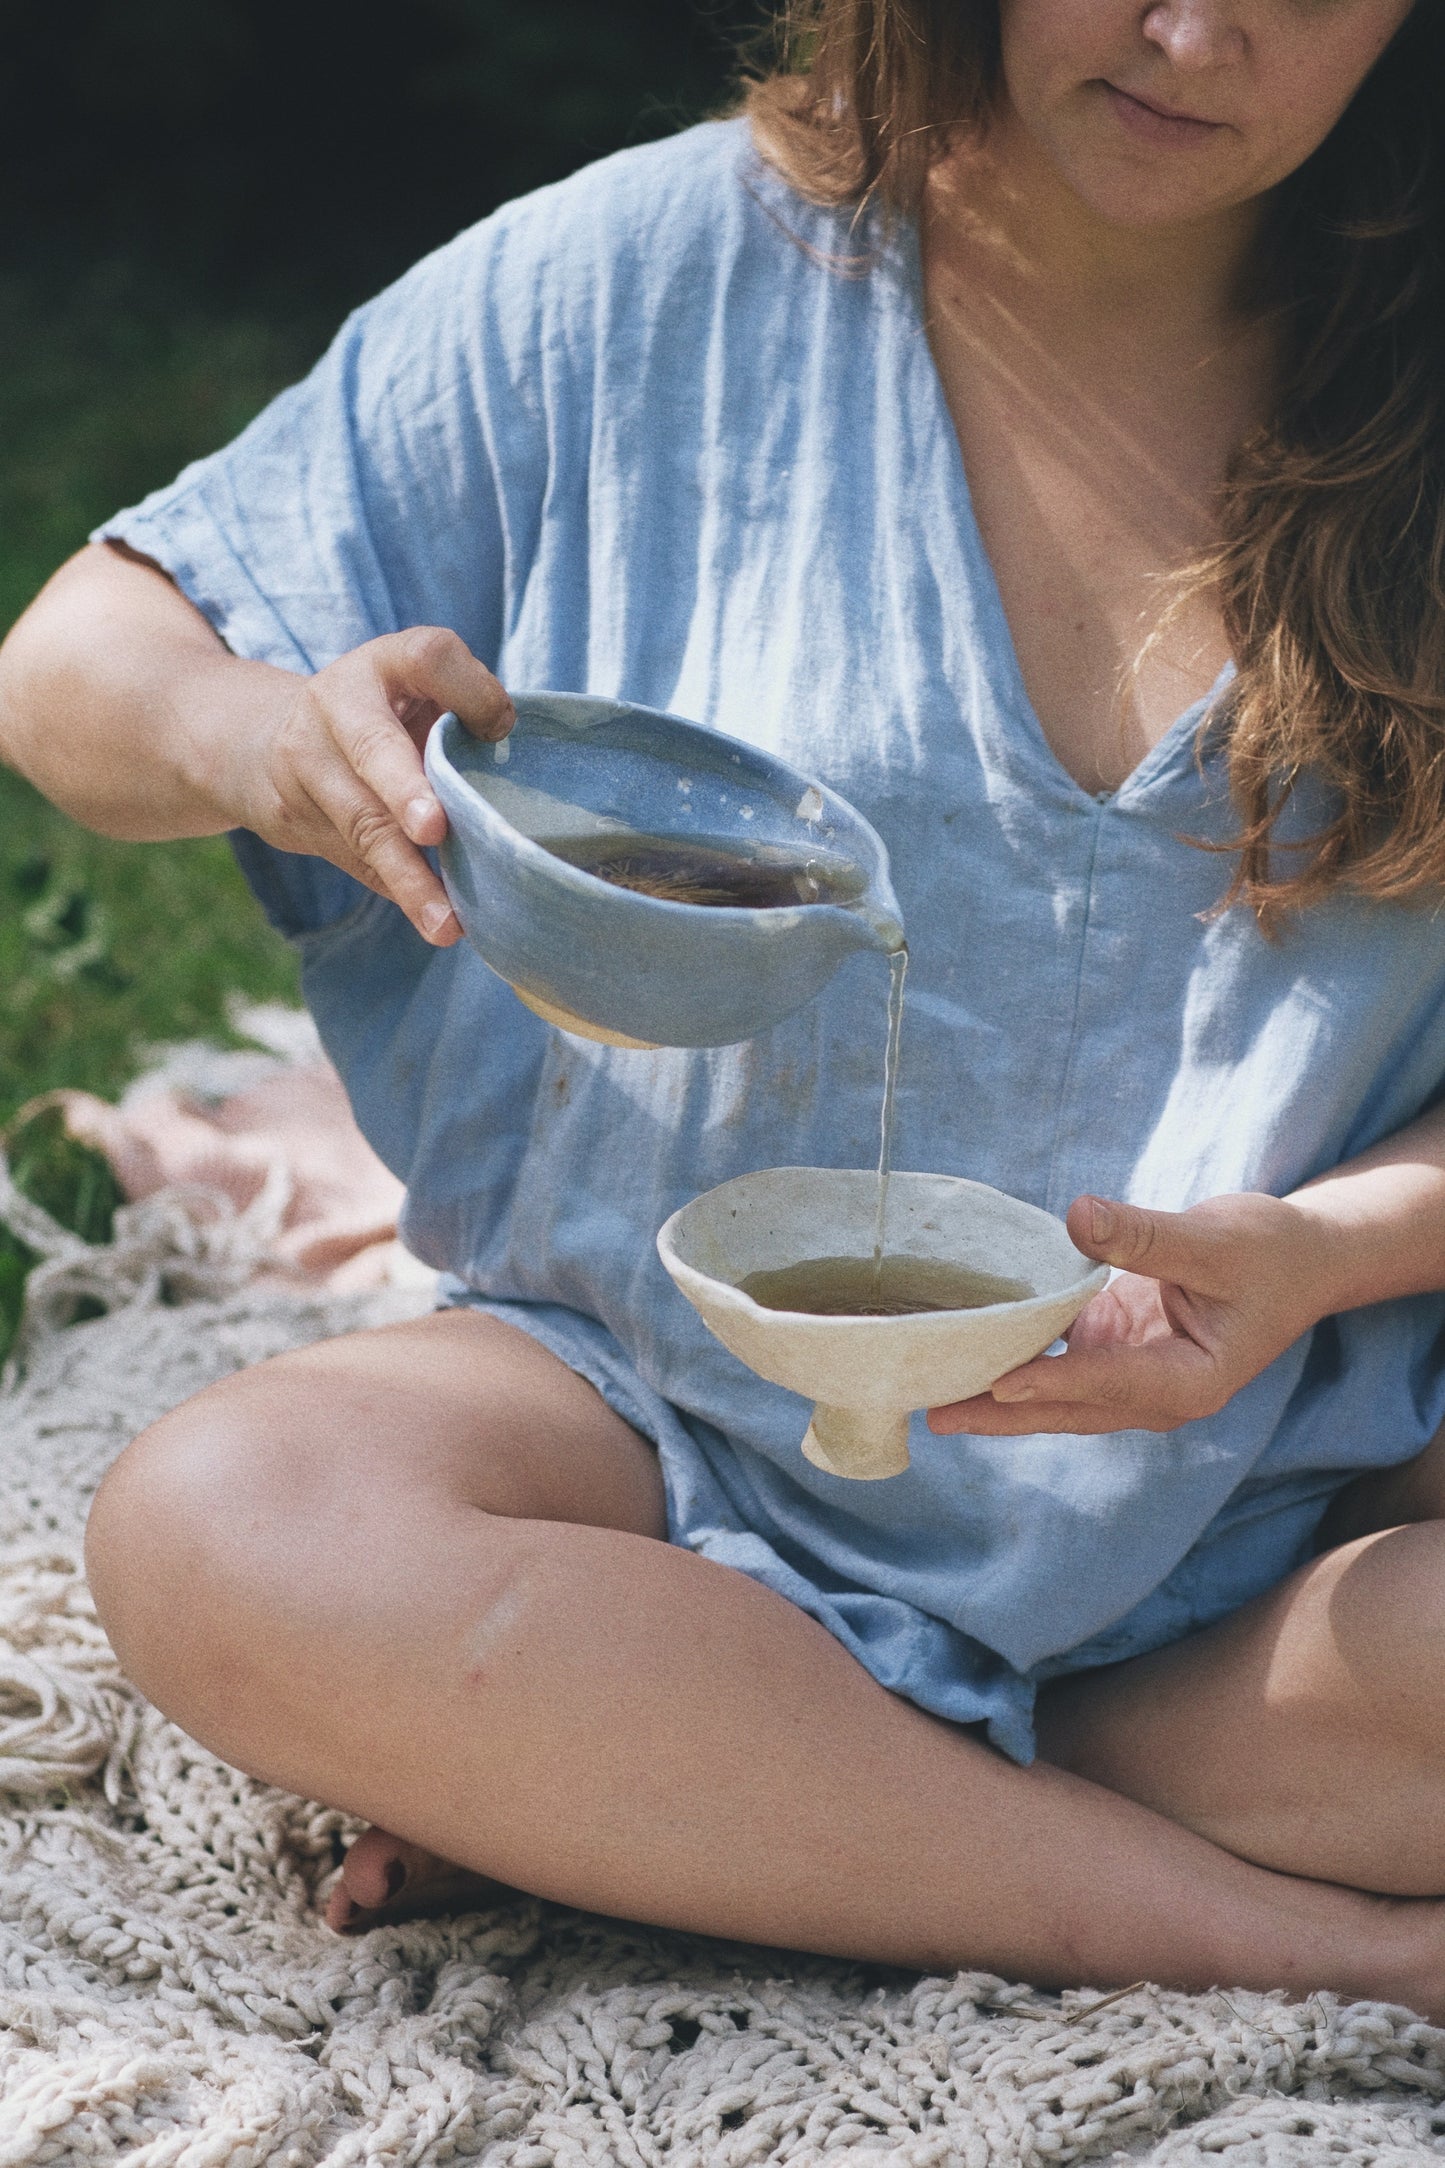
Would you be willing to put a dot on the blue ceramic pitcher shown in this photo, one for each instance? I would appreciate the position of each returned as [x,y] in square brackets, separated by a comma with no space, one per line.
[629,968]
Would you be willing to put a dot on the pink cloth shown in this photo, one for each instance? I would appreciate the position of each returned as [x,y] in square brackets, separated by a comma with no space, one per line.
[338,1229]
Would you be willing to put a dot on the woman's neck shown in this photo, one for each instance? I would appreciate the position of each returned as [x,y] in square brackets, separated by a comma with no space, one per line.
[999,215]
[1100,380]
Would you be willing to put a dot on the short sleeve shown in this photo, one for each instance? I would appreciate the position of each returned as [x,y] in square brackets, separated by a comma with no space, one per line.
[397,485]
[472,447]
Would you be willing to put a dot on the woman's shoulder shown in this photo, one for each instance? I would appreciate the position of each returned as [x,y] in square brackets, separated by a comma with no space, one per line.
[636,235]
[642,195]
[655,204]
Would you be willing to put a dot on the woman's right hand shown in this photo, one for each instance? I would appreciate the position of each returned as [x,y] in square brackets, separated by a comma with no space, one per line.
[338,773]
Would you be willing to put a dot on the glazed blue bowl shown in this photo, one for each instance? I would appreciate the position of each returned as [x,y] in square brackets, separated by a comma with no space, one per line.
[629,968]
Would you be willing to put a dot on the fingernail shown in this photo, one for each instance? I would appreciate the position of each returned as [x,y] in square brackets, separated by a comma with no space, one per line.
[395,1878]
[1103,1220]
[420,811]
[434,917]
[1005,1389]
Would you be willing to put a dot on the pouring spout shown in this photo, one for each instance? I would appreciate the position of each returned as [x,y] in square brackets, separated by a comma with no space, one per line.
[877,915]
[879,920]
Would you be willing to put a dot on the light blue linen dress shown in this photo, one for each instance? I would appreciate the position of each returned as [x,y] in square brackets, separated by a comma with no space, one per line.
[657,433]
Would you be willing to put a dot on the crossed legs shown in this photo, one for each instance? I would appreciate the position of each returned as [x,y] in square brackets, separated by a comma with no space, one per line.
[420,1574]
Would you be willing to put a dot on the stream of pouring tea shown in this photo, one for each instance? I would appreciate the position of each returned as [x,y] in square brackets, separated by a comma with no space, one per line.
[898,974]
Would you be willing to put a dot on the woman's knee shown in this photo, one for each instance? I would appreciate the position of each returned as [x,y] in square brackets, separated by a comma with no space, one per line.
[270,1535]
[188,1534]
[255,1544]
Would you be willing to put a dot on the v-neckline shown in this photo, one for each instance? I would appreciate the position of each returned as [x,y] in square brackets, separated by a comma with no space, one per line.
[1164,753]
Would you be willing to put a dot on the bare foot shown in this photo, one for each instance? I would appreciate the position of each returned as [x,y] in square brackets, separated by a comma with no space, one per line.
[384,1879]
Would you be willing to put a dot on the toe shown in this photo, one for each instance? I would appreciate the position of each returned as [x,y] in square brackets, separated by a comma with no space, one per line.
[383,1879]
[379,1867]
[342,1916]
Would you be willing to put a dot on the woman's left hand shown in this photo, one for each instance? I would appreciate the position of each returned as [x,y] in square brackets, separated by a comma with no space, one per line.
[1204,1300]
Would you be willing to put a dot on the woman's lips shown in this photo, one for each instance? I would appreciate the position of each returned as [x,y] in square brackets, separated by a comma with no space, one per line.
[1157,124]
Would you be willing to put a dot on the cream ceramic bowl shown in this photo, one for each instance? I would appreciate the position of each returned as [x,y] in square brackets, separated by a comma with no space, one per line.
[866,1374]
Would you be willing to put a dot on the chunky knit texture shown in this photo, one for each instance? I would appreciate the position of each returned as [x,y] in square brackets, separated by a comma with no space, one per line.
[169,1999]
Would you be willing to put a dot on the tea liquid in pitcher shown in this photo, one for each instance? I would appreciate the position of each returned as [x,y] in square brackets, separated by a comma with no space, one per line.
[677,869]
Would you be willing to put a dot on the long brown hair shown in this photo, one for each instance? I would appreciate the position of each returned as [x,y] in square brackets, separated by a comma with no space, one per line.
[1329,566]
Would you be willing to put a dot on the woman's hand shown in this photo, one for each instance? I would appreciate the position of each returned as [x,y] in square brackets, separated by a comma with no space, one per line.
[337,771]
[1204,1301]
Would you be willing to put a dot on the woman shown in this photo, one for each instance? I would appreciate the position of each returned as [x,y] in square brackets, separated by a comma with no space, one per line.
[540,1585]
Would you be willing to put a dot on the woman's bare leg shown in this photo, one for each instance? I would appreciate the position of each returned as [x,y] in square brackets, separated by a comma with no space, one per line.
[1305,1731]
[417,1573]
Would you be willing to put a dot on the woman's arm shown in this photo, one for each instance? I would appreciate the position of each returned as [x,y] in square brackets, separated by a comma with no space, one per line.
[1204,1299]
[1378,1222]
[118,700]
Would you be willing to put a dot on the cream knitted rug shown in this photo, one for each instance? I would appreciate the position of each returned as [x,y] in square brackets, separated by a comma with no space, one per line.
[168,1998]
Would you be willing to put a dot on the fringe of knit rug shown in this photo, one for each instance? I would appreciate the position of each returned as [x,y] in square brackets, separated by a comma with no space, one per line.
[169,2000]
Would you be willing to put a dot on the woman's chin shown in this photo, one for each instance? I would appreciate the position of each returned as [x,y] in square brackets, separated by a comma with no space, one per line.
[1135,196]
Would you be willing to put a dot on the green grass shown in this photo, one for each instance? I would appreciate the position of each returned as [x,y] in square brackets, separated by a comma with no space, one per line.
[107,947]
[106,390]
[104,947]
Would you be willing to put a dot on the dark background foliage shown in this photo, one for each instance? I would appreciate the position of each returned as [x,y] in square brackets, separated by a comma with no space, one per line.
[257,146]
